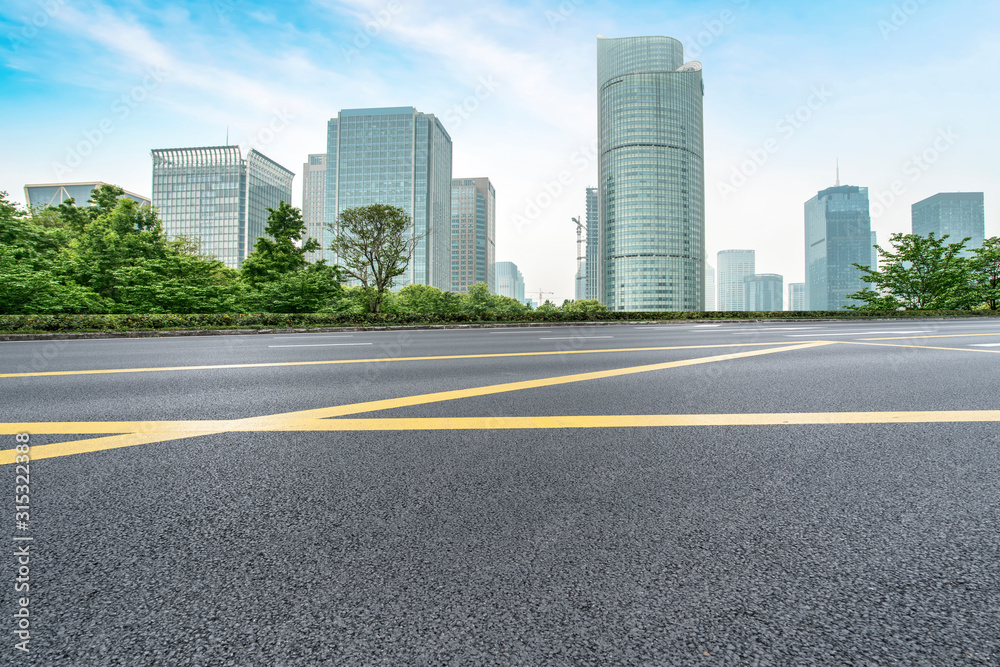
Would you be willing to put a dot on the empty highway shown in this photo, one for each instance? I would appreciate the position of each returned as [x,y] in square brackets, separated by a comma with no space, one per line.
[681,493]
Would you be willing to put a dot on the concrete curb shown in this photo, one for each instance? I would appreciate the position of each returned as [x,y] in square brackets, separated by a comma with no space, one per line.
[88,335]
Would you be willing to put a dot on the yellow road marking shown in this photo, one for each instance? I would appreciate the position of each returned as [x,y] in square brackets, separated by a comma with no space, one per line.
[164,431]
[920,347]
[934,336]
[406,401]
[379,360]
[138,433]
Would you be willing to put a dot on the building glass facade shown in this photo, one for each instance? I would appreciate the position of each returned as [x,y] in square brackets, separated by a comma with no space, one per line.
[709,287]
[510,282]
[838,234]
[473,233]
[651,169]
[214,195]
[796,296]
[764,292]
[957,214]
[734,267]
[593,262]
[399,157]
[52,194]
[313,185]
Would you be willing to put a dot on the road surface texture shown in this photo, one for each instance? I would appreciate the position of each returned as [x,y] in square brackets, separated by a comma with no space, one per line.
[728,493]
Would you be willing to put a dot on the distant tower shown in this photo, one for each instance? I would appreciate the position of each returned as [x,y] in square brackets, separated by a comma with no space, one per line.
[763,292]
[313,188]
[796,296]
[473,233]
[510,282]
[652,175]
[838,234]
[400,157]
[957,214]
[734,267]
[593,224]
[217,196]
[709,287]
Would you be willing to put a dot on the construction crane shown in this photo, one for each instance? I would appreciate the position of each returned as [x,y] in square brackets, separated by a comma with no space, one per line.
[540,293]
[581,267]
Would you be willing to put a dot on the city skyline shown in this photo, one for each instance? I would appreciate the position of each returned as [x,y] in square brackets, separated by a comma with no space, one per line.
[514,86]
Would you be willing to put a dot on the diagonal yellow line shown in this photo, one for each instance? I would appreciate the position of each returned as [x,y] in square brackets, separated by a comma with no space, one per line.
[437,397]
[934,336]
[99,444]
[137,433]
[921,347]
[327,362]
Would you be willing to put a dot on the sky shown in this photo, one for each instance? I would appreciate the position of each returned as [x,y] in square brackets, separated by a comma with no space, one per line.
[903,94]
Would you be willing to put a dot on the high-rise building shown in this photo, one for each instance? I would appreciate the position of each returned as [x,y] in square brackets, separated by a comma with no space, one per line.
[473,233]
[652,180]
[874,265]
[763,292]
[957,214]
[709,287]
[734,266]
[399,157]
[796,296]
[53,194]
[510,282]
[593,222]
[217,196]
[313,198]
[838,234]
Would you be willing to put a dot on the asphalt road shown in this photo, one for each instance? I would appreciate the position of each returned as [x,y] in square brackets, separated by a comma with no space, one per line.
[751,494]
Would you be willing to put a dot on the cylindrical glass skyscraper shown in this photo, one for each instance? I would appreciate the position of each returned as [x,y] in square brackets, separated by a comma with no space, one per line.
[652,176]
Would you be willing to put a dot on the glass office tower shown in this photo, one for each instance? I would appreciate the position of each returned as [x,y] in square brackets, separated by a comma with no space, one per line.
[213,194]
[652,181]
[734,267]
[313,198]
[510,282]
[473,233]
[838,235]
[400,157]
[957,214]
[593,222]
[764,292]
[796,296]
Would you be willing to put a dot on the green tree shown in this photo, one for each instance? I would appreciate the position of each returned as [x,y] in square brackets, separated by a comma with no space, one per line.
[374,245]
[280,278]
[480,301]
[425,299]
[584,306]
[984,267]
[917,274]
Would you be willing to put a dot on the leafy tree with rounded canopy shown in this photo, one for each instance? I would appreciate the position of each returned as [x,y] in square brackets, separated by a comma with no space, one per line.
[985,268]
[425,299]
[374,245]
[280,278]
[917,274]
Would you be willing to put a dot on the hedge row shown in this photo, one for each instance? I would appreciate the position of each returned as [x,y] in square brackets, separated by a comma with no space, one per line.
[42,323]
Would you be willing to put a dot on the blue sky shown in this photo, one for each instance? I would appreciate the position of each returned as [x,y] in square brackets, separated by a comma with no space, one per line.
[905,94]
